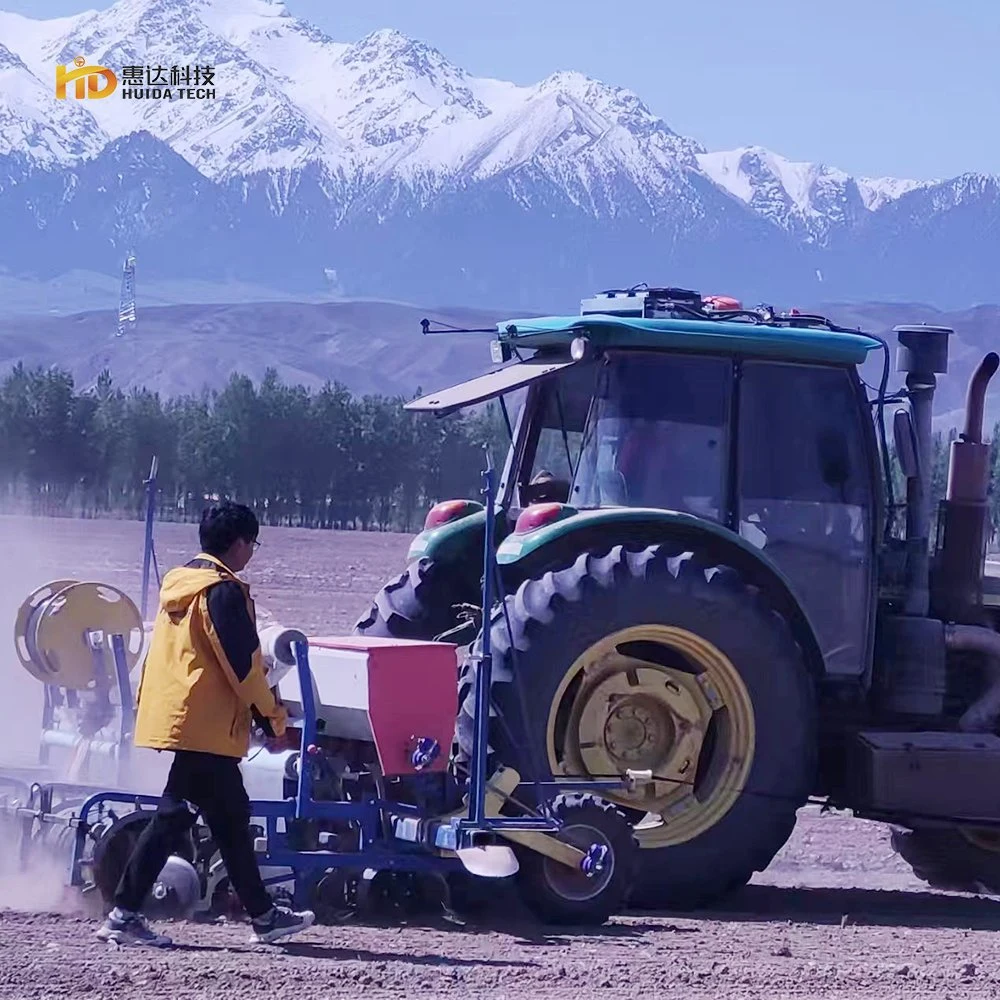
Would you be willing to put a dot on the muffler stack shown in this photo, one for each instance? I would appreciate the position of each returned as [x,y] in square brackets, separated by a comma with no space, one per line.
[962,522]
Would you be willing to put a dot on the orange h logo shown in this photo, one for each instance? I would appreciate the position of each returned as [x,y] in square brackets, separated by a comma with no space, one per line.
[88,80]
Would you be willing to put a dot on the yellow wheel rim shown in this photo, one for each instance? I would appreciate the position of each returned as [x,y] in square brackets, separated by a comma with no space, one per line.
[662,699]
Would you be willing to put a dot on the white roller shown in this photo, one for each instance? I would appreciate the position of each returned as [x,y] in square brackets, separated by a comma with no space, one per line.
[277,646]
[176,891]
[63,738]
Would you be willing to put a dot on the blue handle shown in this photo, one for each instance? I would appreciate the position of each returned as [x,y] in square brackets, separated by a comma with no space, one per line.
[304,792]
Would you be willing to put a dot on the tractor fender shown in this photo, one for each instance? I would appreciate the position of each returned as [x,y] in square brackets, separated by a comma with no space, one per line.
[450,542]
[523,555]
[457,540]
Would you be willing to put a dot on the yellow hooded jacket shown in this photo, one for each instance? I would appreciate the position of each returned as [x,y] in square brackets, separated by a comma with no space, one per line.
[203,680]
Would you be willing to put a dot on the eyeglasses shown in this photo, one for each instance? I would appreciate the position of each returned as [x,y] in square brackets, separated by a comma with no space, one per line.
[255,544]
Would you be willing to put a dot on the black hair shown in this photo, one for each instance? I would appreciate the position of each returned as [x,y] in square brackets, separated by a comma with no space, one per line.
[223,524]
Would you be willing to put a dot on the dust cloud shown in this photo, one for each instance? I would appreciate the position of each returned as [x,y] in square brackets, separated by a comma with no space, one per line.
[41,886]
[31,558]
[37,552]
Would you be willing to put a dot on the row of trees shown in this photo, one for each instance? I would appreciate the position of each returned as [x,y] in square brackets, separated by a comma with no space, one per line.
[321,459]
[316,459]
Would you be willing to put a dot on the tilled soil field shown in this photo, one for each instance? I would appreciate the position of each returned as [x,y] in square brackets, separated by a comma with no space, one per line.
[836,914]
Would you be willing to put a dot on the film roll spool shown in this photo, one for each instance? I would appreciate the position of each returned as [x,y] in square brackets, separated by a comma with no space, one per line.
[277,648]
[53,624]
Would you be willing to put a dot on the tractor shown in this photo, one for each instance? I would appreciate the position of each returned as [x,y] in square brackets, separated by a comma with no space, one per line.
[714,570]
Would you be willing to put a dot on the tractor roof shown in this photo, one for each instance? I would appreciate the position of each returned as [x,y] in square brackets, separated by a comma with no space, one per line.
[774,340]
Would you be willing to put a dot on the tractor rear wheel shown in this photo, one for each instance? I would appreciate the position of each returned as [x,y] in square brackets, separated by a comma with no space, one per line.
[952,859]
[421,603]
[656,660]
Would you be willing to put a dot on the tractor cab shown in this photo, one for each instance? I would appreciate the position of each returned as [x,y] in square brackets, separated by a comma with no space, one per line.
[659,400]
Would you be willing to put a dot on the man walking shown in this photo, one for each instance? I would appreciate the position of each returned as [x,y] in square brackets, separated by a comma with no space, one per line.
[203,685]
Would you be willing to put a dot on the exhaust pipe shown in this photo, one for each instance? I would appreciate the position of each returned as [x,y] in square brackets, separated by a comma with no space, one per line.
[975,399]
[961,542]
[922,353]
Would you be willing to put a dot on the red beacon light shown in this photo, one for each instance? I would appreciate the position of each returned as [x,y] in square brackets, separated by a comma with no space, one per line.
[449,510]
[722,303]
[540,514]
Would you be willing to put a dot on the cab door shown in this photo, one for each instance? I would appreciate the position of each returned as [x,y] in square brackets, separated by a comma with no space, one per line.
[806,495]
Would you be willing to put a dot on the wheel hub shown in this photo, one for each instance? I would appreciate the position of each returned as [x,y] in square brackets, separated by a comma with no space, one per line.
[637,731]
[596,868]
[687,718]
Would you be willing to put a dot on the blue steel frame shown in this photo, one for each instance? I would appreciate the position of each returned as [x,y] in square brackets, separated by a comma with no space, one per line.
[149,549]
[401,853]
[412,848]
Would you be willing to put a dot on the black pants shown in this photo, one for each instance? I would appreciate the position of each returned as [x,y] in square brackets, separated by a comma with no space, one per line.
[213,786]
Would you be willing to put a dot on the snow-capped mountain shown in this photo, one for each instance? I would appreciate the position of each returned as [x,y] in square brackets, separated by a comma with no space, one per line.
[251,125]
[805,198]
[384,162]
[386,107]
[31,127]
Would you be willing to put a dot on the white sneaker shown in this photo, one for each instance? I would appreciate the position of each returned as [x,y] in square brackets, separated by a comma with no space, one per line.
[280,922]
[123,927]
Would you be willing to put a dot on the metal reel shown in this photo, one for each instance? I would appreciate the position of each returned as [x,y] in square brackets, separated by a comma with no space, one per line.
[176,892]
[53,626]
[24,636]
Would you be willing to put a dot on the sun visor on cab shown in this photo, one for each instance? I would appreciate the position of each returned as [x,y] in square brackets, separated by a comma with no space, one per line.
[488,386]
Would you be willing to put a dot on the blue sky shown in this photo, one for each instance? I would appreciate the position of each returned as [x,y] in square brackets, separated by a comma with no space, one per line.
[873,86]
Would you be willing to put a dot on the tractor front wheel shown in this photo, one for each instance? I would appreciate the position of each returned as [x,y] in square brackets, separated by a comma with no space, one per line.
[423,602]
[658,660]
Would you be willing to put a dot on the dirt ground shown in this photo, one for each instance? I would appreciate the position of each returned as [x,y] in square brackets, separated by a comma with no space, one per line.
[836,915]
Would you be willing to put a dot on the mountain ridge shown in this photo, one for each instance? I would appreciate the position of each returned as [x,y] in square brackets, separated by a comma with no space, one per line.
[316,155]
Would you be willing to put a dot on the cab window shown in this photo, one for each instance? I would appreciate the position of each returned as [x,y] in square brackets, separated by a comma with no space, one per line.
[556,438]
[657,435]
